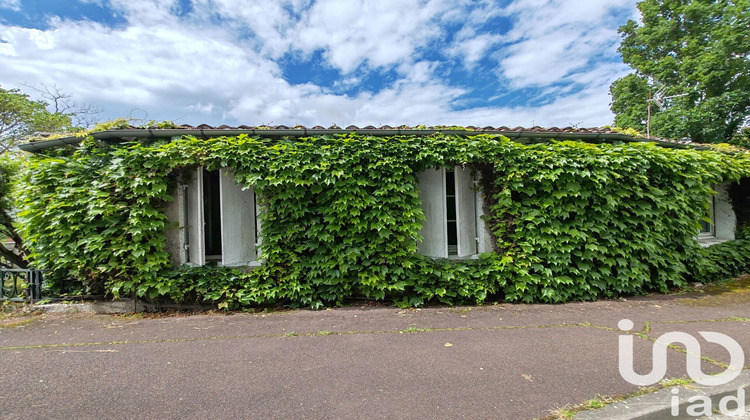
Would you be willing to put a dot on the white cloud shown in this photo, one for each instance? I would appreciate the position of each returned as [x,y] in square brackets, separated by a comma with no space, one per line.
[421,72]
[10,4]
[377,32]
[225,70]
[583,108]
[207,108]
[146,12]
[471,47]
[169,66]
[553,39]
[470,43]
[267,20]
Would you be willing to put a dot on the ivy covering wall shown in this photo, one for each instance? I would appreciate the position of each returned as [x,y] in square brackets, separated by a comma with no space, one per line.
[571,220]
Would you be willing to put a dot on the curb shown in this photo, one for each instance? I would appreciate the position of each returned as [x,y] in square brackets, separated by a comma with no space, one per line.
[112,307]
[658,405]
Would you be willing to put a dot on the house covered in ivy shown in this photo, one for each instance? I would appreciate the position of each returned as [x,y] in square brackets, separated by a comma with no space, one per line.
[312,216]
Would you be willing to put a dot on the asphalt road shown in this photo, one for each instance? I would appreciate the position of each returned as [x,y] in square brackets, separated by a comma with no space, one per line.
[502,361]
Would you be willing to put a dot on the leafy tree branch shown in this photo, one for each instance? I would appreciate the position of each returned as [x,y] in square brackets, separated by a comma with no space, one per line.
[696,55]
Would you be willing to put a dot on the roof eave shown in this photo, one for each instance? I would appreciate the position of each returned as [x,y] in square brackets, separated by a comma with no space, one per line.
[520,136]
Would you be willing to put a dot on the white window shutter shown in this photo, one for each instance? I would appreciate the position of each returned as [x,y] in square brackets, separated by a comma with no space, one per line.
[237,222]
[176,211]
[466,217]
[724,216]
[435,228]
[194,209]
[258,211]
[484,237]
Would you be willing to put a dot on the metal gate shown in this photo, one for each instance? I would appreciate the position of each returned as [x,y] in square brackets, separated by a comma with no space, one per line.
[19,284]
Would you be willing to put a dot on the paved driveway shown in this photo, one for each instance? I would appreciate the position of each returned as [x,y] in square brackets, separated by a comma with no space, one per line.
[504,361]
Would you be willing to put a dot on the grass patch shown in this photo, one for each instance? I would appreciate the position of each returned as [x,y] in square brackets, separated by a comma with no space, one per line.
[16,314]
[13,323]
[669,383]
[569,411]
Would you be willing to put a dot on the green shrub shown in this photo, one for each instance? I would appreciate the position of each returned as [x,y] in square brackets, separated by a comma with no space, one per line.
[720,262]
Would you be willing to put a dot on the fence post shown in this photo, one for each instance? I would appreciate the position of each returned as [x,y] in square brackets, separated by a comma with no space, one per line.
[34,278]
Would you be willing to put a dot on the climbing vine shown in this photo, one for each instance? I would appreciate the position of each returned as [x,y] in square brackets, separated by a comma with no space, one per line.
[342,217]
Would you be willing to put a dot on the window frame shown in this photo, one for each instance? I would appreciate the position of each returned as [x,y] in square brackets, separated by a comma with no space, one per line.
[711,233]
[238,219]
[722,216]
[471,236]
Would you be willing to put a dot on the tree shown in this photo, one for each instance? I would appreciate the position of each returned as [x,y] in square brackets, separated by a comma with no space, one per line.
[630,107]
[17,255]
[696,55]
[21,117]
[742,138]
[82,115]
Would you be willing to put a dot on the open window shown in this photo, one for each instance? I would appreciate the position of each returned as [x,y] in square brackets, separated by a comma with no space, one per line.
[453,208]
[708,227]
[221,220]
[722,219]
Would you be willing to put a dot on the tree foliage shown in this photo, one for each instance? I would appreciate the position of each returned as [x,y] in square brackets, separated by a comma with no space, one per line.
[20,116]
[696,48]
[630,106]
[15,256]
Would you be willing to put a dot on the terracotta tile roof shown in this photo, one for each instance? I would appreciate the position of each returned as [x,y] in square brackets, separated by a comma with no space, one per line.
[505,130]
[536,129]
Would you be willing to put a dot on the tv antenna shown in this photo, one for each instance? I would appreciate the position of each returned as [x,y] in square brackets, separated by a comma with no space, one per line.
[659,100]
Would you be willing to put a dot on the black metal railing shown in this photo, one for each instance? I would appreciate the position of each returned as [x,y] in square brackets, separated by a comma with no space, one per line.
[17,283]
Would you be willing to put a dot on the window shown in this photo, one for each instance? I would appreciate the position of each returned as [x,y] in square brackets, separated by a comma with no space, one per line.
[723,219]
[212,215]
[453,227]
[451,213]
[708,228]
[220,220]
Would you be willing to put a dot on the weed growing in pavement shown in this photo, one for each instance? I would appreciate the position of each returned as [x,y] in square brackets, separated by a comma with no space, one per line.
[568,411]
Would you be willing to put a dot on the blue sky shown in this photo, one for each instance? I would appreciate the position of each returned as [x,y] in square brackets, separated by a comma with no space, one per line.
[310,62]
